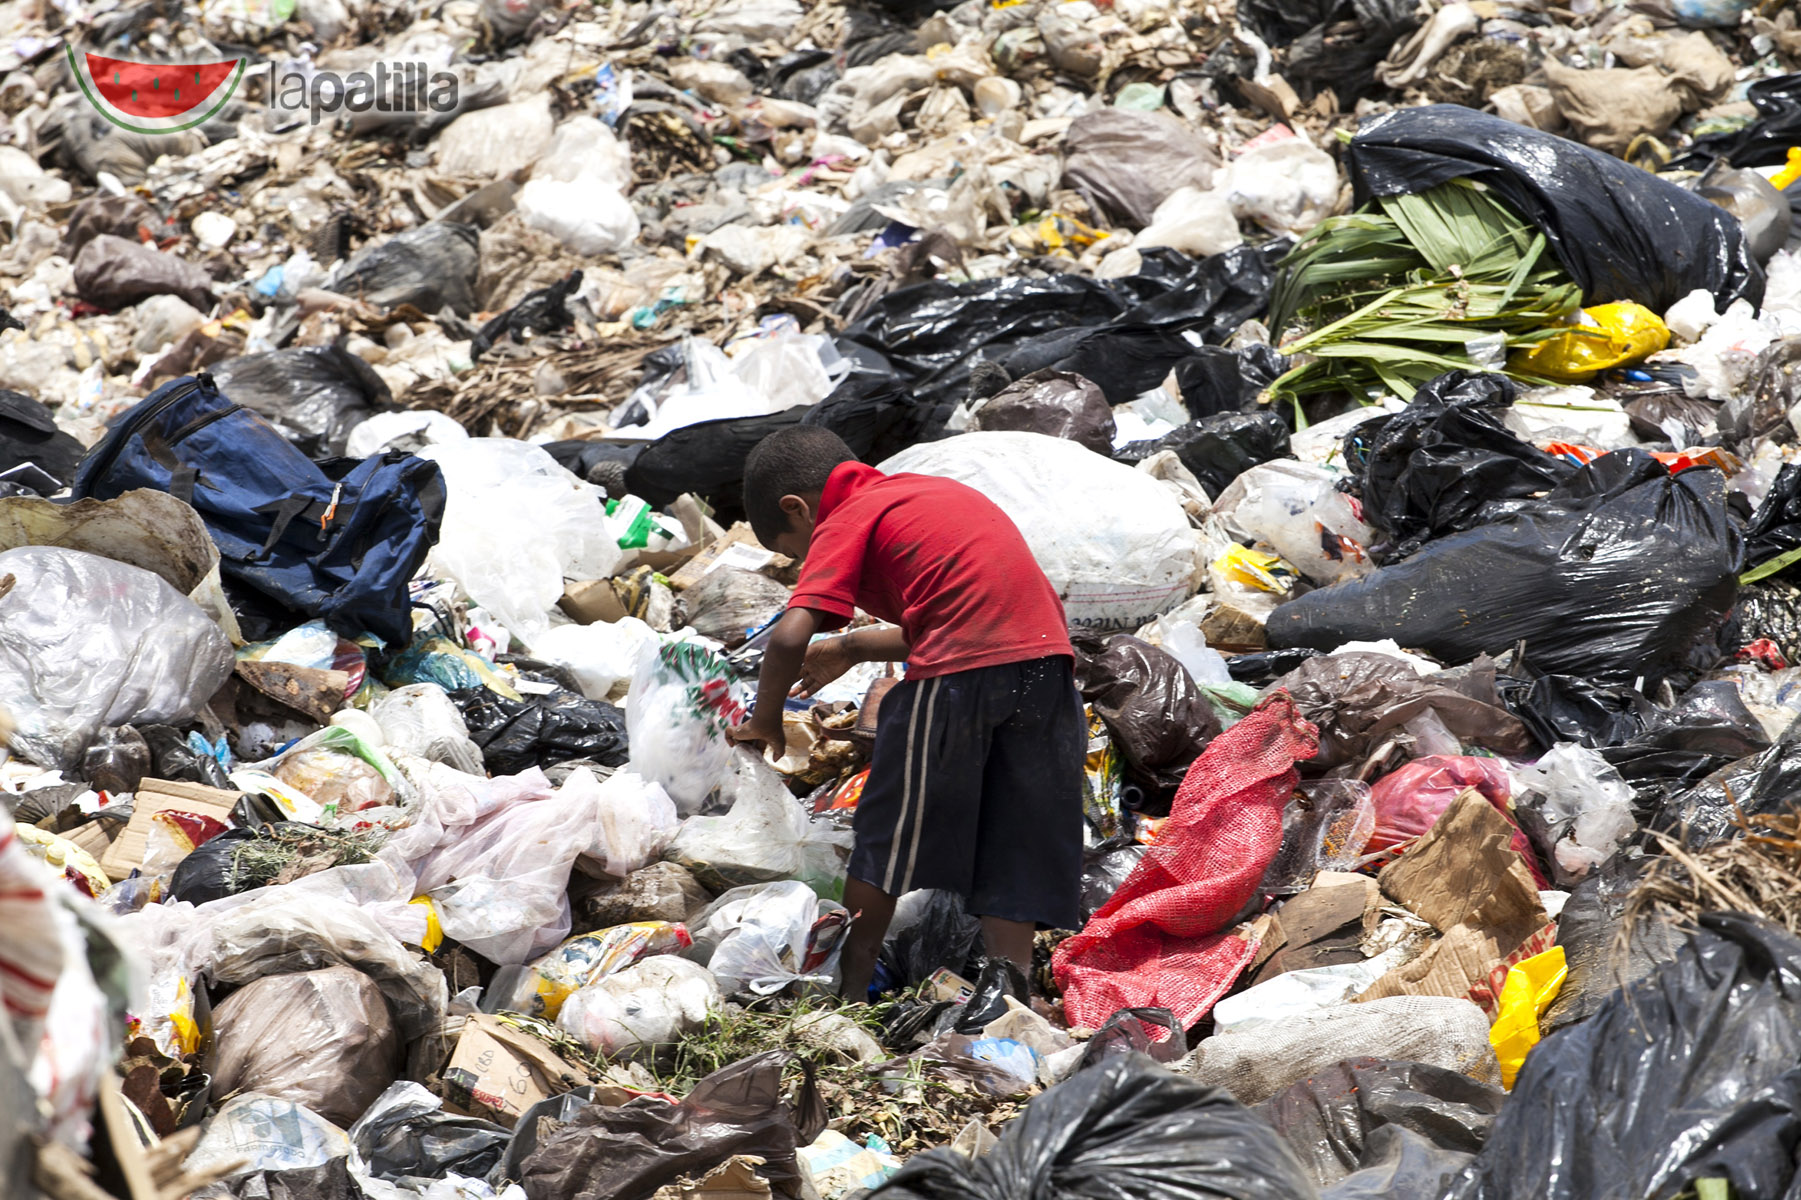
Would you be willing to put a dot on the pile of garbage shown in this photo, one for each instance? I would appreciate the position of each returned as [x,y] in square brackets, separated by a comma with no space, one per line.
[1401,398]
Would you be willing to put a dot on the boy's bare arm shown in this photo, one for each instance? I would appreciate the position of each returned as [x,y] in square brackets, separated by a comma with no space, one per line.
[782,659]
[828,658]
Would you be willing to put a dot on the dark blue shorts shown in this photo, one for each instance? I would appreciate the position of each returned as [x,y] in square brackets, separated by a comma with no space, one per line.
[976,787]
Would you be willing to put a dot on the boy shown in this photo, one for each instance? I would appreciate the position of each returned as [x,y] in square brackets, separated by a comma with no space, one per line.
[975,785]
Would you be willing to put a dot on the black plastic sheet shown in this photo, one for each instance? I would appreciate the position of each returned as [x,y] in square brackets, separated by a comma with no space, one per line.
[931,333]
[1763,143]
[407,1142]
[1058,404]
[932,929]
[1598,961]
[1694,1073]
[431,268]
[29,434]
[1621,232]
[1617,574]
[1768,781]
[1124,1130]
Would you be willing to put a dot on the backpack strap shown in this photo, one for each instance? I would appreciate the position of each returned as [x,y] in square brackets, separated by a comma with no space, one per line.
[182,481]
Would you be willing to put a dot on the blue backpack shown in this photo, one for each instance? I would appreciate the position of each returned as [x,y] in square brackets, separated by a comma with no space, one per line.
[337,547]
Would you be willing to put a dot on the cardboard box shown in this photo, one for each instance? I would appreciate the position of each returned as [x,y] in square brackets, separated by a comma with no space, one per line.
[739,548]
[499,1072]
[126,853]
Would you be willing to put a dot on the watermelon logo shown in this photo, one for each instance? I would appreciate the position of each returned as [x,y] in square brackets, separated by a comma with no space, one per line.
[154,98]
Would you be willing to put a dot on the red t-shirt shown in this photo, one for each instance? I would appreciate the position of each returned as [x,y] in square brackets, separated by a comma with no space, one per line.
[937,558]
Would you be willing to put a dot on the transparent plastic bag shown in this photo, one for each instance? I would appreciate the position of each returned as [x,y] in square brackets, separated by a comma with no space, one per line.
[421,719]
[88,643]
[319,1038]
[516,524]
[283,930]
[766,836]
[1582,805]
[338,771]
[653,1003]
[683,700]
[761,938]
[500,882]
[1297,510]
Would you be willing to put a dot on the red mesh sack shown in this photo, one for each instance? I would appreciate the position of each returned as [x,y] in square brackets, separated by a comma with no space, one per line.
[1158,941]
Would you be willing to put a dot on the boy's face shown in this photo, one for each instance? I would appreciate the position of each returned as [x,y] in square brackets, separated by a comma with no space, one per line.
[798,537]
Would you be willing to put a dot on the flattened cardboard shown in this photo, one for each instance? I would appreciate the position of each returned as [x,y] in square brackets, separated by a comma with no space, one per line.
[499,1072]
[154,796]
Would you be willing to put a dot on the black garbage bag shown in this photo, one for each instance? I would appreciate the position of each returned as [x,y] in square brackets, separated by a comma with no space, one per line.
[1768,781]
[1266,666]
[1776,526]
[172,758]
[1214,379]
[28,434]
[932,930]
[542,311]
[875,417]
[1104,871]
[240,860]
[1621,233]
[1764,142]
[1219,448]
[1157,717]
[997,979]
[407,1136]
[541,730]
[431,268]
[1693,1073]
[1328,1118]
[1761,410]
[931,333]
[1617,574]
[1126,1129]
[1599,961]
[1430,469]
[1055,403]
[315,395]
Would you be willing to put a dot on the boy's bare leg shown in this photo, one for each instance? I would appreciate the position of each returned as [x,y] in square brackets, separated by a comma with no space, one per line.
[1010,939]
[874,909]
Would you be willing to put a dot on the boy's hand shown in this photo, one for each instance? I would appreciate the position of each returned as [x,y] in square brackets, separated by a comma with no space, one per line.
[761,733]
[826,660]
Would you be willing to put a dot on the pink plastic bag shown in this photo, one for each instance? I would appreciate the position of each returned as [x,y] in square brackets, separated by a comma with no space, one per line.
[1410,800]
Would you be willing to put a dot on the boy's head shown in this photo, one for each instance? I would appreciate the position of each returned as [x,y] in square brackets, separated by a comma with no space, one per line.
[782,481]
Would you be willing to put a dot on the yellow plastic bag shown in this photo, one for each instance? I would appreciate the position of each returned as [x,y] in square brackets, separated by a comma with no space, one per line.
[1528,990]
[1254,568]
[1619,334]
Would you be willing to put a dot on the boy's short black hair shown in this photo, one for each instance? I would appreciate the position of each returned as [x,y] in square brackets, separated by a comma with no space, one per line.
[790,462]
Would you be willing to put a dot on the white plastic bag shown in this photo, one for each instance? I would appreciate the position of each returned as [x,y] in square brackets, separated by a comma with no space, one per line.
[601,656]
[653,1003]
[682,702]
[585,149]
[265,1134]
[88,643]
[787,370]
[1286,187]
[409,429]
[1295,510]
[1115,543]
[421,719]
[761,937]
[764,837]
[588,217]
[516,525]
